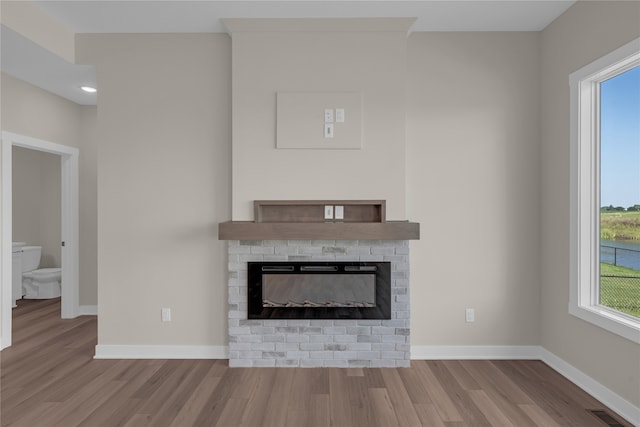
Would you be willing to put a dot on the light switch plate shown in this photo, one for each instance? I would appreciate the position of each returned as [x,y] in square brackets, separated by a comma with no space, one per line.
[339,115]
[470,315]
[328,212]
[328,115]
[339,212]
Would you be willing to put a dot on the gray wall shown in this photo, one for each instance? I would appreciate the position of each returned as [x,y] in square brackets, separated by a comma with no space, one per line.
[164,136]
[36,202]
[587,31]
[473,184]
[163,180]
[371,63]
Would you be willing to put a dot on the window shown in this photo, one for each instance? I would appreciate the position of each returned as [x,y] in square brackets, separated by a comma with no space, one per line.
[596,166]
[620,192]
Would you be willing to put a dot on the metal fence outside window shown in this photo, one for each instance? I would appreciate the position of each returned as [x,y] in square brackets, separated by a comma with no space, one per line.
[621,291]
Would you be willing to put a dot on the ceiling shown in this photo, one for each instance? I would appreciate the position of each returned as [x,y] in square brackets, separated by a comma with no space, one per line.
[27,61]
[205,16]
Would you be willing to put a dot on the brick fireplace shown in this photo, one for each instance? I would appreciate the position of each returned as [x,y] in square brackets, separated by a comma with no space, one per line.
[298,231]
[319,342]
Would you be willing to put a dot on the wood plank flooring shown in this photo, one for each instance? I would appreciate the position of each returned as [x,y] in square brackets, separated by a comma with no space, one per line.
[49,378]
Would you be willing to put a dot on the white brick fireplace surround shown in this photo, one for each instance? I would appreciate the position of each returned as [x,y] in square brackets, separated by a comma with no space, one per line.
[318,342]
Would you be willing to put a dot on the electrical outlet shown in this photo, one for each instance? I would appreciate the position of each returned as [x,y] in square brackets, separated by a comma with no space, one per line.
[165,314]
[328,212]
[470,315]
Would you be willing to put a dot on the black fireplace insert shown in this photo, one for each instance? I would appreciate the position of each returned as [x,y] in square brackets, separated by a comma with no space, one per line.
[319,290]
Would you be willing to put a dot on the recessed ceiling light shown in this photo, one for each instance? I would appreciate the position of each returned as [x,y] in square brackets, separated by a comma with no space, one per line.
[89,89]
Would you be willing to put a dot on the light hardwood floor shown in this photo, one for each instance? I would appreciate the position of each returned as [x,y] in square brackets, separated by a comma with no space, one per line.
[50,379]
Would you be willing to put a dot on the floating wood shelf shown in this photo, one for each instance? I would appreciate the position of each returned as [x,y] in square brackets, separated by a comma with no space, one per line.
[313,210]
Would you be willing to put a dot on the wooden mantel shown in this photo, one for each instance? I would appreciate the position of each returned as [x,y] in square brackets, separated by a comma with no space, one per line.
[302,220]
[251,230]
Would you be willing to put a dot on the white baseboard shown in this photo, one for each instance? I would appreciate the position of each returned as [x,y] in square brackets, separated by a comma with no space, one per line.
[161,352]
[623,407]
[88,310]
[437,352]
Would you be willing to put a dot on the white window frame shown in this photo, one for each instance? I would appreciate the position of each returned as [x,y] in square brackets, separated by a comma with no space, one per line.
[585,191]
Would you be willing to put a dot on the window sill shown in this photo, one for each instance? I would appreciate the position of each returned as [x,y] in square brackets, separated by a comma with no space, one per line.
[609,320]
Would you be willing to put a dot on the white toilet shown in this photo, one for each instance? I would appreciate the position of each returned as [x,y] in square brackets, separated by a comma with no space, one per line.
[38,283]
[16,271]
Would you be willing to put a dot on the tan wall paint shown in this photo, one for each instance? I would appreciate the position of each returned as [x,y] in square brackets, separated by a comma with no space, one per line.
[472,183]
[500,158]
[88,170]
[36,202]
[31,111]
[163,186]
[27,19]
[27,191]
[369,62]
[587,31]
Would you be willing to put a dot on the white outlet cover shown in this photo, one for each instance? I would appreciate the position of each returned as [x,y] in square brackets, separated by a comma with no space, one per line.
[328,130]
[339,212]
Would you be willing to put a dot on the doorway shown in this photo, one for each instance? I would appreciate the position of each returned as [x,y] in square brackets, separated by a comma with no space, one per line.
[69,227]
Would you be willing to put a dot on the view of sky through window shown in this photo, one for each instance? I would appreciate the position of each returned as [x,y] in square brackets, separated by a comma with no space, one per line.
[620,140]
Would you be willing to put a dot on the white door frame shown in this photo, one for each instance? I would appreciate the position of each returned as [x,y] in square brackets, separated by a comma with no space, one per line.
[69,231]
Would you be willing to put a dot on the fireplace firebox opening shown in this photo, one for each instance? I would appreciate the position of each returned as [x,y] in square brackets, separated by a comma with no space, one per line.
[319,290]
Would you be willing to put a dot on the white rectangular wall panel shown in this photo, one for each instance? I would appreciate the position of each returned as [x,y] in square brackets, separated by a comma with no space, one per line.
[301,120]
